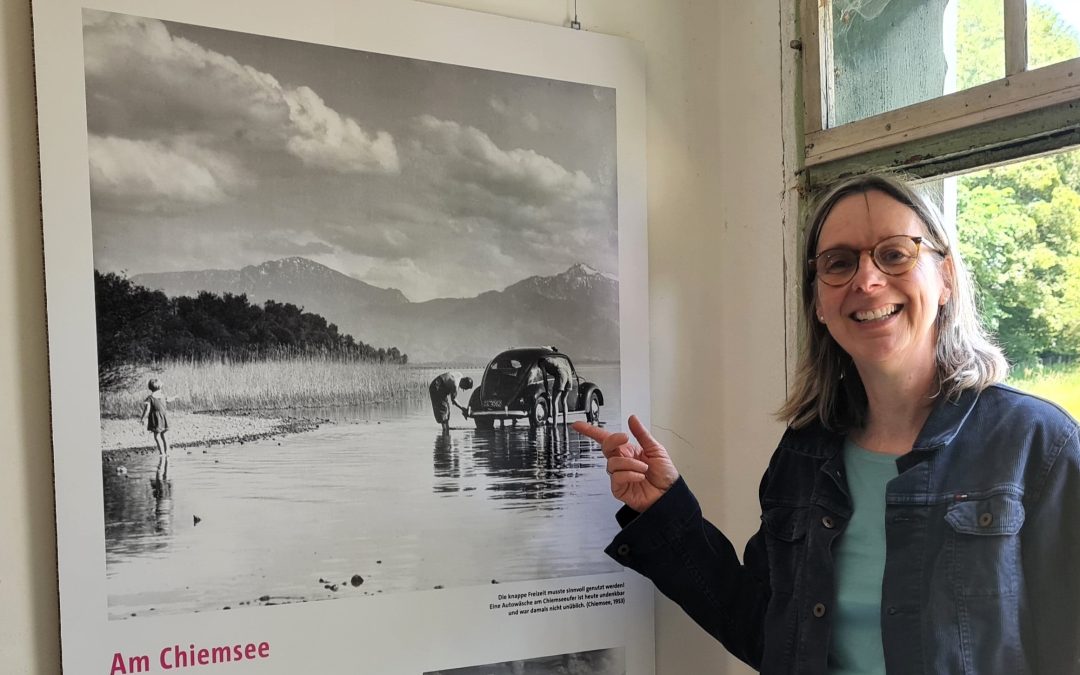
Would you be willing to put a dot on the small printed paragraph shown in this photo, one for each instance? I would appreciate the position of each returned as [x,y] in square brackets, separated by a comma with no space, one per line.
[559,599]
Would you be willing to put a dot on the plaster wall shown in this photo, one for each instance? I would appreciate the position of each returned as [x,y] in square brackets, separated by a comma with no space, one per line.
[716,278]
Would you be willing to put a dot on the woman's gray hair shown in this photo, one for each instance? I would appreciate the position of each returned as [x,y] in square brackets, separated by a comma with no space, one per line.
[827,386]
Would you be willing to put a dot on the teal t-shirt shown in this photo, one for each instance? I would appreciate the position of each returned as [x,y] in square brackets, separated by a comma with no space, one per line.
[855,647]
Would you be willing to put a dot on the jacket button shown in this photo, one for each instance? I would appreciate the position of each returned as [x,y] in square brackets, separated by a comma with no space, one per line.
[985,519]
[828,522]
[623,550]
[892,610]
[819,610]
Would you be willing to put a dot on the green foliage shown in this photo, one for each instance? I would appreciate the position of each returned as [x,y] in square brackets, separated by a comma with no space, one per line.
[1050,38]
[1019,225]
[136,326]
[1019,231]
[1060,384]
[980,54]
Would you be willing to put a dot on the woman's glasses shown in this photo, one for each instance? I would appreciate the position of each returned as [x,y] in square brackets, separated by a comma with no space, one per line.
[893,255]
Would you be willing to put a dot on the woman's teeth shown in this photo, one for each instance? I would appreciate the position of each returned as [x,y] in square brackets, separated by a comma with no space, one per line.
[875,314]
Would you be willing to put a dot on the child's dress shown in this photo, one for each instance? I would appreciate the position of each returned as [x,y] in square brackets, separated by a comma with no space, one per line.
[156,420]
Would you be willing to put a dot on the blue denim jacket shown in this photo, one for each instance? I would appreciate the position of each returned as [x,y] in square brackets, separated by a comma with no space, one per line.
[982,527]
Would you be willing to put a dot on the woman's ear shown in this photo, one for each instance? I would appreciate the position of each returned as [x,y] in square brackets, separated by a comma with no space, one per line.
[948,274]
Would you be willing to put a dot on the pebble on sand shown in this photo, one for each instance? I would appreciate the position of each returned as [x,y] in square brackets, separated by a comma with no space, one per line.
[356,580]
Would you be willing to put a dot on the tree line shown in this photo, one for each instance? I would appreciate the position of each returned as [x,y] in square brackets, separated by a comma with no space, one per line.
[137,325]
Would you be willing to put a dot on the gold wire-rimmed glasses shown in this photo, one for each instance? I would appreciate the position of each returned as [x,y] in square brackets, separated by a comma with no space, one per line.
[893,255]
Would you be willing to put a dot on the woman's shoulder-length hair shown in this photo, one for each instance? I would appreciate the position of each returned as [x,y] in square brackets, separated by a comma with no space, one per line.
[827,387]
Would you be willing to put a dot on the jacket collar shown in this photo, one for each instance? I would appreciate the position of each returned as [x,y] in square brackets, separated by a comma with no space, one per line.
[944,422]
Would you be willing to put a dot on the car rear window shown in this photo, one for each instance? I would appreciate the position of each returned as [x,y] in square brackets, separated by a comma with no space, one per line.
[506,366]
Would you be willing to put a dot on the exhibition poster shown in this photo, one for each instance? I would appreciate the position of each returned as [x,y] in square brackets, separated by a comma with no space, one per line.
[326,285]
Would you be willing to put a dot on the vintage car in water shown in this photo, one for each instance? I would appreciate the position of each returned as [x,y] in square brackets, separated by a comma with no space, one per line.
[514,387]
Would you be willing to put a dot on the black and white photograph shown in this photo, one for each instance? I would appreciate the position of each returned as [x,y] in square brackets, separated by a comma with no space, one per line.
[346,304]
[595,662]
[326,287]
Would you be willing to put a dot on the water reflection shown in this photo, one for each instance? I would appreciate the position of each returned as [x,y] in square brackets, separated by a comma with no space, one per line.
[515,463]
[161,488]
[138,504]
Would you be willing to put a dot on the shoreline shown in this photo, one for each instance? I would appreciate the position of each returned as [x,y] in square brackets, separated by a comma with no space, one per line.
[124,437]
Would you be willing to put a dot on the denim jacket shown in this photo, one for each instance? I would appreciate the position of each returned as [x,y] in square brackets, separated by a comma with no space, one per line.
[982,529]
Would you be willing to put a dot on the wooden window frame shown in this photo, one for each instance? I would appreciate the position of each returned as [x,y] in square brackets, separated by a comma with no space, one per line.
[1025,112]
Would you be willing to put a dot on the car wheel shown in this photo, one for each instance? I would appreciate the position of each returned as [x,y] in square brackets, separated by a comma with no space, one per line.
[539,413]
[592,408]
[484,423]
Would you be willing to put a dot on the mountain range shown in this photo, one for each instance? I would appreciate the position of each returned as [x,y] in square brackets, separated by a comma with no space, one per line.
[576,310]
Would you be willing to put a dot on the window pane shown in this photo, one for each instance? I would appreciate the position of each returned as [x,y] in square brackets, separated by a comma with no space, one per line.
[978,43]
[1019,232]
[1053,31]
[886,54]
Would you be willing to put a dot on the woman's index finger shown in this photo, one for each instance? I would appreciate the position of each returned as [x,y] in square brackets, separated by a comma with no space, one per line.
[593,432]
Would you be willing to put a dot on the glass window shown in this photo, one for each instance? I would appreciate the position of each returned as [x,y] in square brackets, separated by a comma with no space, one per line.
[881,55]
[1019,233]
[535,375]
[506,365]
[1053,31]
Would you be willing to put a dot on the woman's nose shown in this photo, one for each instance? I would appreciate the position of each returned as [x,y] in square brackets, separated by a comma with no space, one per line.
[867,275]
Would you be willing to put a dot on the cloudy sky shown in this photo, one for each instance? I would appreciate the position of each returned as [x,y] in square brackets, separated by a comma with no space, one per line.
[212,149]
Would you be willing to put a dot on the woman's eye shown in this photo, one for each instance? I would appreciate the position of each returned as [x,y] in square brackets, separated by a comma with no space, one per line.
[893,256]
[837,264]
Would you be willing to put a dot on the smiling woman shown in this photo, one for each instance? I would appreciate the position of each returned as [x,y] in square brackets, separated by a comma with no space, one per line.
[905,459]
[933,294]
[882,316]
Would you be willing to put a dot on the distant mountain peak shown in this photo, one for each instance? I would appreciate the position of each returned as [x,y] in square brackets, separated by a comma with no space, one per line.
[294,279]
[577,279]
[583,269]
[292,262]
[298,265]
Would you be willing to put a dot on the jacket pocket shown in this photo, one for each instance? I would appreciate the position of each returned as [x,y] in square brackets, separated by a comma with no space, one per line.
[785,535]
[985,546]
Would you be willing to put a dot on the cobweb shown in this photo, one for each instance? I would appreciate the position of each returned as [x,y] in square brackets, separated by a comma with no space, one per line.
[849,9]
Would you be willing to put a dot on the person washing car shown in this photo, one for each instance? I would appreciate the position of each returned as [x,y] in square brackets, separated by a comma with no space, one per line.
[559,370]
[443,390]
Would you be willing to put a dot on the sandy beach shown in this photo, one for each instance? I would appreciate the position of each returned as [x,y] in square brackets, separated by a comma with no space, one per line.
[198,429]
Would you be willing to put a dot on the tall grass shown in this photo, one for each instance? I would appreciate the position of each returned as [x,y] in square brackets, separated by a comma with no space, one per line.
[1060,384]
[293,382]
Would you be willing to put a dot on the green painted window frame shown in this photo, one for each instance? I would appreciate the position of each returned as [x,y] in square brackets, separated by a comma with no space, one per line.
[1025,113]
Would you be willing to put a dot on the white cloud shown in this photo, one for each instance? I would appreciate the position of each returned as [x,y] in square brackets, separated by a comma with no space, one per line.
[328,140]
[150,81]
[143,82]
[150,173]
[469,155]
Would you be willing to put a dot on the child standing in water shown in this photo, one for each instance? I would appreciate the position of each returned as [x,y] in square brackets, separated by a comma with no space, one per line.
[153,415]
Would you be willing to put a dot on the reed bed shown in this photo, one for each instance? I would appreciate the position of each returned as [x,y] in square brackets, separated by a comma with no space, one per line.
[1060,384]
[271,384]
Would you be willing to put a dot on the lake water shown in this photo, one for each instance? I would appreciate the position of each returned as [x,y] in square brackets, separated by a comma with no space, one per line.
[378,494]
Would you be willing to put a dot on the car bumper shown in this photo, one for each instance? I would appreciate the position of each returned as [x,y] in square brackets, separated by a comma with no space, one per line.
[504,414]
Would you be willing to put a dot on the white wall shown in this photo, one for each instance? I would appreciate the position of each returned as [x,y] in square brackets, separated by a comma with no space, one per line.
[716,187]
